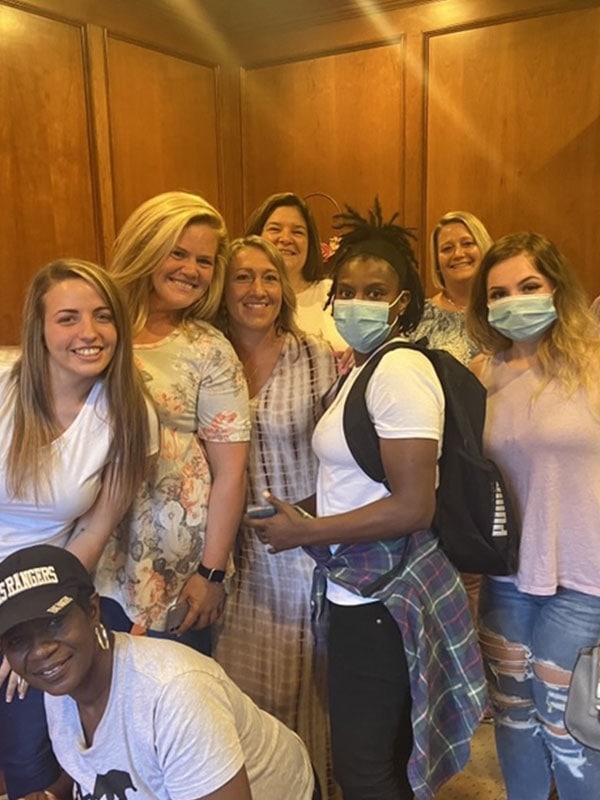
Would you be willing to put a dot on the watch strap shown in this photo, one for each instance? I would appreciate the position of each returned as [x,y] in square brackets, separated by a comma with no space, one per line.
[211,575]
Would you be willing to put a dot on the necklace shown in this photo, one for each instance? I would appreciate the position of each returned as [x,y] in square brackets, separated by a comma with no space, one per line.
[451,301]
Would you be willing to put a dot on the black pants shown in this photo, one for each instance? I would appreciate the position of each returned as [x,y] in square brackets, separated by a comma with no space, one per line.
[369,702]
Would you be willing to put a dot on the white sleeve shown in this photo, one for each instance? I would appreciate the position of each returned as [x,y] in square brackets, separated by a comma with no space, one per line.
[405,398]
[197,742]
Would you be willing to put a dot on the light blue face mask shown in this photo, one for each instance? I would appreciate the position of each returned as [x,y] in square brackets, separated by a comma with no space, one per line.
[524,317]
[363,323]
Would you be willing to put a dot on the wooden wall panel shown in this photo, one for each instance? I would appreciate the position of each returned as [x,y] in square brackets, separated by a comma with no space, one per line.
[330,124]
[163,123]
[513,130]
[46,185]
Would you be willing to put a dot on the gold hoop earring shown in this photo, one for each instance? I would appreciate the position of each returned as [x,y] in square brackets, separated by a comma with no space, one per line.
[102,636]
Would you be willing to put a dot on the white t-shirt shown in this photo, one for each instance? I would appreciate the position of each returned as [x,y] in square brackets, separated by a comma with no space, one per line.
[81,454]
[405,400]
[176,727]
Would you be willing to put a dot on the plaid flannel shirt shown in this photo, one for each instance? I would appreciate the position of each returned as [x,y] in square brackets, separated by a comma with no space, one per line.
[423,592]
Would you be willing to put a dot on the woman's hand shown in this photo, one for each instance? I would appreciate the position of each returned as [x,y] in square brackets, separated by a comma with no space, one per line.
[344,361]
[15,684]
[205,600]
[284,530]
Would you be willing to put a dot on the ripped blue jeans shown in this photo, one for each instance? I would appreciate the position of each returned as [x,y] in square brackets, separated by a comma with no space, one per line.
[530,644]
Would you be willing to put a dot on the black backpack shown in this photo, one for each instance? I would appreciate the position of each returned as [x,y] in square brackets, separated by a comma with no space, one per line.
[474,519]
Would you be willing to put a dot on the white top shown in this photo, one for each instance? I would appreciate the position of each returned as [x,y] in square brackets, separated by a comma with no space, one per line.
[311,317]
[405,400]
[176,727]
[80,455]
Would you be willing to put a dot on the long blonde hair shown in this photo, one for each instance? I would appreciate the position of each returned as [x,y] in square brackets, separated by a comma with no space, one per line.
[146,239]
[572,344]
[35,425]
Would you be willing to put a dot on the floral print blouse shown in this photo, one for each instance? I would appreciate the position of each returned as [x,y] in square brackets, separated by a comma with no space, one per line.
[198,386]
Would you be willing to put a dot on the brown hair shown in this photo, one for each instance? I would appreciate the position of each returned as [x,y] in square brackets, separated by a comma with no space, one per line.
[313,269]
[285,322]
[35,425]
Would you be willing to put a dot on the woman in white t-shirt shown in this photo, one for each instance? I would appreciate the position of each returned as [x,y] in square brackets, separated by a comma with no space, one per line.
[75,434]
[286,221]
[406,685]
[131,713]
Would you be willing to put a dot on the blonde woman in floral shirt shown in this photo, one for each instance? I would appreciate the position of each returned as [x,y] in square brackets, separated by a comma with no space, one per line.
[175,546]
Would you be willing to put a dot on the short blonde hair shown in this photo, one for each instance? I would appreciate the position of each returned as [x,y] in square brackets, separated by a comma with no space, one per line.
[146,239]
[286,319]
[477,230]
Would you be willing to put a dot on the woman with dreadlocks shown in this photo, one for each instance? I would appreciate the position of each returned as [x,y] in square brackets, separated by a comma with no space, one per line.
[406,685]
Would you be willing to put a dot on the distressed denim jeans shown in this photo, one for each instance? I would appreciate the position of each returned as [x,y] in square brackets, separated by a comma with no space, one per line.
[530,644]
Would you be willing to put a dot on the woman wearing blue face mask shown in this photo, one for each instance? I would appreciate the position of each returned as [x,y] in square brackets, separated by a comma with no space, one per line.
[405,679]
[529,312]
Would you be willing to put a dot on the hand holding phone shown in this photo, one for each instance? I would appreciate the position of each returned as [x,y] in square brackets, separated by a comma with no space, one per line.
[175,615]
[260,512]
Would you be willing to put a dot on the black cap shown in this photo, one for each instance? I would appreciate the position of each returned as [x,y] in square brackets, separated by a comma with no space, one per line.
[39,581]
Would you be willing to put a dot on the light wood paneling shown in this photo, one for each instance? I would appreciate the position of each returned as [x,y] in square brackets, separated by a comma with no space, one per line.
[163,123]
[331,124]
[513,130]
[46,187]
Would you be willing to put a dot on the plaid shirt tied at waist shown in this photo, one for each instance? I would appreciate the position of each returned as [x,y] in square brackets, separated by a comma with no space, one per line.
[413,578]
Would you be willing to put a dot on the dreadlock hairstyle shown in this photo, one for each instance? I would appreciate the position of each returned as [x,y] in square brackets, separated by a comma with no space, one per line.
[374,238]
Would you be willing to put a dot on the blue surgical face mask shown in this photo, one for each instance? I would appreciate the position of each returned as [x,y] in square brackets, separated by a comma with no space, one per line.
[363,323]
[523,317]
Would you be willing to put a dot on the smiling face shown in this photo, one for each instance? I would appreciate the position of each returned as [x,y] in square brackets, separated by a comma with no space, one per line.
[58,654]
[286,229]
[253,293]
[79,332]
[458,253]
[516,276]
[185,274]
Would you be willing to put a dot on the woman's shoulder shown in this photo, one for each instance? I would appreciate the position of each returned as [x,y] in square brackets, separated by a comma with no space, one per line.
[402,365]
[314,343]
[203,339]
[8,358]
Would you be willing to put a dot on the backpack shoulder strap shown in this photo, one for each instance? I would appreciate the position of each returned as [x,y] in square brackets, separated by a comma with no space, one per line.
[464,397]
[359,431]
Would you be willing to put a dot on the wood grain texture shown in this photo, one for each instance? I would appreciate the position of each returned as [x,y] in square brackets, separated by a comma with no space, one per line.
[513,130]
[163,124]
[46,181]
[332,124]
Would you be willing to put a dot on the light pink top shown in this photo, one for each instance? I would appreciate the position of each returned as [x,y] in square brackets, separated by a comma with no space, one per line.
[548,449]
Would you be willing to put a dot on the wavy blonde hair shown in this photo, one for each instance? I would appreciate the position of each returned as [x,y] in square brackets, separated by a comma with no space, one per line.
[571,345]
[475,227]
[35,426]
[146,239]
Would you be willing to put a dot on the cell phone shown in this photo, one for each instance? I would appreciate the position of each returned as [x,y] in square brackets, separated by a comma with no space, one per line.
[175,615]
[260,512]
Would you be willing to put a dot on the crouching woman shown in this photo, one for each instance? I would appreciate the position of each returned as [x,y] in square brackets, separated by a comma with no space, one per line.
[130,712]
